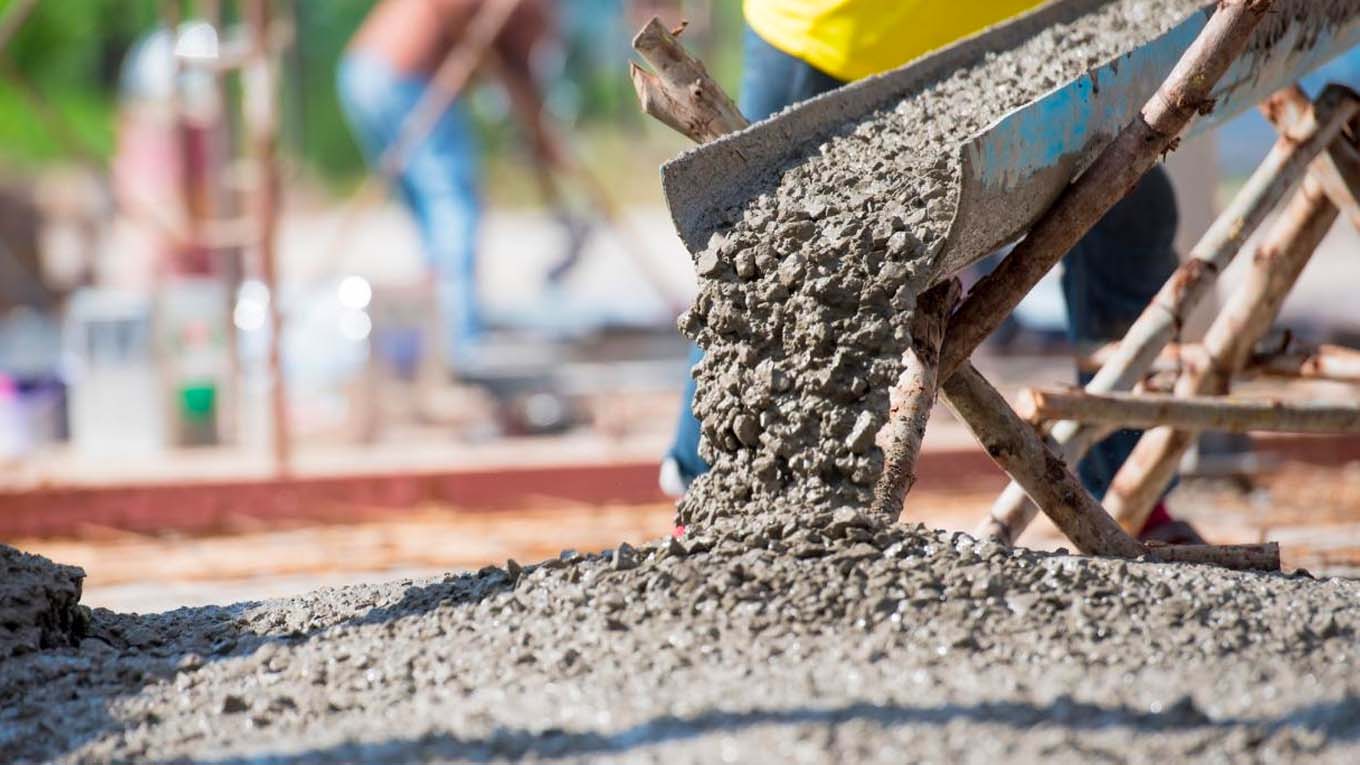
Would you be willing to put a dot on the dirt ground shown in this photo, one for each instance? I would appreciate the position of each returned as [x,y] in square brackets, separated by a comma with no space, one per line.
[847,642]
[1314,512]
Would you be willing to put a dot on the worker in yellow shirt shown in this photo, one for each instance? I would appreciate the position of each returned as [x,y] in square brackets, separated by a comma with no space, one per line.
[852,39]
[797,49]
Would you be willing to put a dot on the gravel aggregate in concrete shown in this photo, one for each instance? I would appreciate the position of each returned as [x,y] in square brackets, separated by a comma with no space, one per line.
[787,625]
[849,642]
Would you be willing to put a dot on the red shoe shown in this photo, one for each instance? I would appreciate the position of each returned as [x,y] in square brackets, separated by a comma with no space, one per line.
[1161,527]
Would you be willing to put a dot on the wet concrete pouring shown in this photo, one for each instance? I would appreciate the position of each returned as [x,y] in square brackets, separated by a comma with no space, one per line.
[787,625]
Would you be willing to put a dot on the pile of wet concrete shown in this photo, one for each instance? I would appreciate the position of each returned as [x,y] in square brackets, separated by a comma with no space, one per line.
[39,604]
[787,625]
[849,642]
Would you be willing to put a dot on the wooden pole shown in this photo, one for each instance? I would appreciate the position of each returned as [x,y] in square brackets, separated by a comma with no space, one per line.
[1340,177]
[1261,557]
[1127,410]
[1109,179]
[1325,362]
[1339,169]
[1321,362]
[190,213]
[1275,267]
[1021,452]
[1289,161]
[913,398]
[680,92]
[260,108]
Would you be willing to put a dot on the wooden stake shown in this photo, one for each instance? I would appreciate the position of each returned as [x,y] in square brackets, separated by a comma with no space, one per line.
[1262,557]
[1289,161]
[913,398]
[680,92]
[1339,174]
[1338,171]
[1109,179]
[1325,362]
[1127,410]
[1321,362]
[260,108]
[1275,267]
[1019,451]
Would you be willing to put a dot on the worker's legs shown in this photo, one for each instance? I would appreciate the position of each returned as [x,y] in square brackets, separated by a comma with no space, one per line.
[684,451]
[440,182]
[771,80]
[438,185]
[1108,279]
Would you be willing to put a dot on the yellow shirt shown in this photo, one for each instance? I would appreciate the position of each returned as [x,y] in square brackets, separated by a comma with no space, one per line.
[850,39]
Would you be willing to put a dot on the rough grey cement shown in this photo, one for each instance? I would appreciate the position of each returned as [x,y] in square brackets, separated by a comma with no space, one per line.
[853,643]
[805,300]
[39,603]
[787,627]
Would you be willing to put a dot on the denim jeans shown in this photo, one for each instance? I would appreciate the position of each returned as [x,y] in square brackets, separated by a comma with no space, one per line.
[1108,278]
[438,185]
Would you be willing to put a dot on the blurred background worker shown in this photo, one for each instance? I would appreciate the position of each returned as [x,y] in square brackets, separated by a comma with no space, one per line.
[797,49]
[385,74]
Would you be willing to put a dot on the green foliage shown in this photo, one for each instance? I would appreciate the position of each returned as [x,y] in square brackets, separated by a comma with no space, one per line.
[68,53]
[315,128]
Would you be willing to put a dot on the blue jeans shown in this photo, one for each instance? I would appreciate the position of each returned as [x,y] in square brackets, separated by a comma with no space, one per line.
[1108,278]
[438,185]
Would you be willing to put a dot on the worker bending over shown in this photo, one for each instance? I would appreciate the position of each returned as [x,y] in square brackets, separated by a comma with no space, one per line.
[386,71]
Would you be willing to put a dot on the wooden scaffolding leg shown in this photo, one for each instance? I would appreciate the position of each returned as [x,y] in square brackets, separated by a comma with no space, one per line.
[1310,132]
[1130,410]
[1109,179]
[260,106]
[913,398]
[1287,360]
[1262,557]
[1275,267]
[1021,452]
[680,92]
[1018,449]
[1324,362]
[1339,169]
